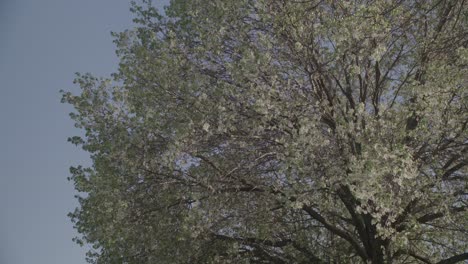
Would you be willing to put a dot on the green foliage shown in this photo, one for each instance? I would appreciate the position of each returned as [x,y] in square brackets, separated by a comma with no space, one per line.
[267,131]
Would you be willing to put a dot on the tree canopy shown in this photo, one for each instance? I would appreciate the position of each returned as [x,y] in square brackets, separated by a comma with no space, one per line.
[279,131]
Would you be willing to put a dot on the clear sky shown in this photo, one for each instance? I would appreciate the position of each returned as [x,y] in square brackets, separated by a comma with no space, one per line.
[42,44]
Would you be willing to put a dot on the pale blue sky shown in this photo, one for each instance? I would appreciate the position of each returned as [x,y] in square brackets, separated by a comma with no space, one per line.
[42,44]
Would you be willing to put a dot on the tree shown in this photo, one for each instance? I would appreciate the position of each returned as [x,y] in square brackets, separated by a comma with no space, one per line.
[272,131]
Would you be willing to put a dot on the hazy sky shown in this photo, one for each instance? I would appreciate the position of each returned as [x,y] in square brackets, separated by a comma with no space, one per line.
[42,44]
